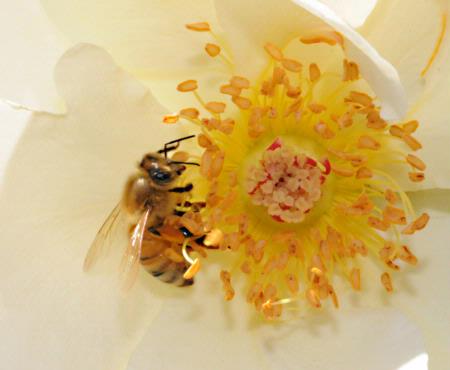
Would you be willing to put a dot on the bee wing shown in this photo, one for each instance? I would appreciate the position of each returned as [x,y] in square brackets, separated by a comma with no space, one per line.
[132,256]
[102,240]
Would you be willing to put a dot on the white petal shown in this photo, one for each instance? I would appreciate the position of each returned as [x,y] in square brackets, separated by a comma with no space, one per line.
[12,123]
[31,45]
[372,339]
[64,177]
[423,293]
[140,35]
[406,33]
[202,331]
[354,12]
[250,24]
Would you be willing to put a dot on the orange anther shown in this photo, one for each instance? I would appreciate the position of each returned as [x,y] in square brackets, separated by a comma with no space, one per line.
[378,224]
[213,50]
[230,90]
[317,108]
[364,173]
[394,215]
[416,176]
[412,142]
[190,113]
[171,118]
[416,162]
[390,196]
[410,127]
[291,65]
[313,298]
[387,282]
[355,278]
[406,255]
[273,51]
[418,224]
[314,72]
[351,71]
[240,82]
[396,131]
[368,142]
[292,283]
[323,130]
[188,85]
[341,171]
[242,102]
[215,107]
[328,37]
[199,26]
[359,98]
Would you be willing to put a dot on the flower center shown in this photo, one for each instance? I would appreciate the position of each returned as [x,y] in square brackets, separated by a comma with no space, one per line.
[286,183]
[307,145]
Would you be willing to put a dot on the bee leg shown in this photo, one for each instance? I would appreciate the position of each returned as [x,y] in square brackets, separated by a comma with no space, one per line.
[182,189]
[154,228]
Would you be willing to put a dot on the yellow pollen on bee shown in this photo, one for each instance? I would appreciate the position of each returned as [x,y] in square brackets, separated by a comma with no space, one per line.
[213,238]
[192,270]
[294,180]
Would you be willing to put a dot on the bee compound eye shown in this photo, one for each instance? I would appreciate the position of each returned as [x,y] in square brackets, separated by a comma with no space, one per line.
[160,176]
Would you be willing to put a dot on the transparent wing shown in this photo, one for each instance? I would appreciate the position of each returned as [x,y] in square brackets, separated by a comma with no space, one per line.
[132,256]
[102,240]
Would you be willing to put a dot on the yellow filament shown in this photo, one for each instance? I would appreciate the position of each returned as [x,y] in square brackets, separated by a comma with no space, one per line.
[437,47]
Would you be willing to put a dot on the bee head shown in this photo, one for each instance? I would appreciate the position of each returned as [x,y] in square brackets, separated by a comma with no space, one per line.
[160,170]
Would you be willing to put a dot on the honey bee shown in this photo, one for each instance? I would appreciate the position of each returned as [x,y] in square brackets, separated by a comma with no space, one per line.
[162,233]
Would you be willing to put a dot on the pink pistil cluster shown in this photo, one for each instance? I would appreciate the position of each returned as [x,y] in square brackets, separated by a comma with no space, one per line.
[288,184]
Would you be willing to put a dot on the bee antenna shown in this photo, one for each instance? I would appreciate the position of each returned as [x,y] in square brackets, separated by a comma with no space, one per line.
[186,163]
[172,145]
